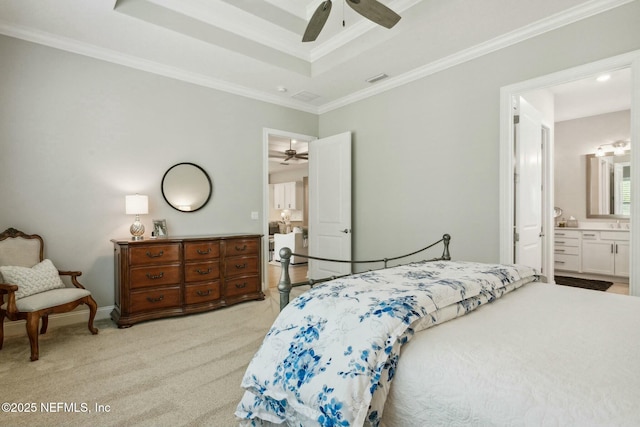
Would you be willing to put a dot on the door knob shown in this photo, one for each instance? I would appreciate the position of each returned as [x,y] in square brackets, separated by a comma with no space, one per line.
[345,231]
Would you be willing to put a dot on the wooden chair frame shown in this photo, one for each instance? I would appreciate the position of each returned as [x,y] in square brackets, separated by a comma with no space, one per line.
[33,318]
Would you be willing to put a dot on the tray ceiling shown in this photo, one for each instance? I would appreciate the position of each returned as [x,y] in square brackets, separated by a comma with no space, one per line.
[253,48]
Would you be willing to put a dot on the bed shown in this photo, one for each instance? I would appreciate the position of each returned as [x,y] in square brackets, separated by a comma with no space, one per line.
[481,344]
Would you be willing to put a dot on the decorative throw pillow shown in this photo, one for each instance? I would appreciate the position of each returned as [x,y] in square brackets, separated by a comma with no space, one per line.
[39,278]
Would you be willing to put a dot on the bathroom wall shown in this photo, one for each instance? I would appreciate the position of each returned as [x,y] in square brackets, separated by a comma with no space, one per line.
[574,139]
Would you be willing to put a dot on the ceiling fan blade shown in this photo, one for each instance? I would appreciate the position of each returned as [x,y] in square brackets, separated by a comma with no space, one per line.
[304,156]
[317,21]
[375,11]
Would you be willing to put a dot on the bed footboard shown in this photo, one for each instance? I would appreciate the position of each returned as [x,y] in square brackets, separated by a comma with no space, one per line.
[285,285]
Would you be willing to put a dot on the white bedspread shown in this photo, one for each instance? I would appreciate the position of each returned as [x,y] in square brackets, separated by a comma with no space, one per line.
[331,354]
[544,355]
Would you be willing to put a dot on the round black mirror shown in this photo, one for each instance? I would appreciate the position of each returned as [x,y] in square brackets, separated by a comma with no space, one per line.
[186,187]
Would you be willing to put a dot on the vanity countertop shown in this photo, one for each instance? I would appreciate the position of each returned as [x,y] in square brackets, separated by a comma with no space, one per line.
[596,228]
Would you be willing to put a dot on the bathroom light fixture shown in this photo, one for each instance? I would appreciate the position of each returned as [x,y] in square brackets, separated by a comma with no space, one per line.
[137,205]
[619,148]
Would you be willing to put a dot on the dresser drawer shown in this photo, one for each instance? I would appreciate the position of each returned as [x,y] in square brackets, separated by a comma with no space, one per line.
[202,292]
[237,247]
[182,275]
[195,251]
[156,299]
[154,254]
[240,265]
[241,286]
[143,277]
[200,271]
[567,262]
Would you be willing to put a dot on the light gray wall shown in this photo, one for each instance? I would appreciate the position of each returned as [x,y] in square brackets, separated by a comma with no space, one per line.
[78,134]
[574,139]
[426,155]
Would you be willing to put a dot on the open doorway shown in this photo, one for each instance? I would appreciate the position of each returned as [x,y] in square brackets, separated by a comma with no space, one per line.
[286,202]
[545,85]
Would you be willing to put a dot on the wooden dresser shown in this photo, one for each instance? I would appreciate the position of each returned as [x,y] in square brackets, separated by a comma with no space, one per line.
[181,275]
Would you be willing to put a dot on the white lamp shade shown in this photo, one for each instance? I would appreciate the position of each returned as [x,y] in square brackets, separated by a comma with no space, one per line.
[137,204]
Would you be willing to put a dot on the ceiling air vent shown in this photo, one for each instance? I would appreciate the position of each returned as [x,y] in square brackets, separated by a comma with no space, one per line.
[305,96]
[377,78]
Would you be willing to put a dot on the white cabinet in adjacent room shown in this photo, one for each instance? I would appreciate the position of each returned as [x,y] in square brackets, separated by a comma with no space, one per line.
[285,195]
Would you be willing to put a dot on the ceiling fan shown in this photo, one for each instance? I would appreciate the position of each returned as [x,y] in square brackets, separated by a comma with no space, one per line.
[292,154]
[373,10]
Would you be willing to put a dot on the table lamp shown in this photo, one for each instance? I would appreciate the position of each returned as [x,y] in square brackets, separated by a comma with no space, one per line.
[137,205]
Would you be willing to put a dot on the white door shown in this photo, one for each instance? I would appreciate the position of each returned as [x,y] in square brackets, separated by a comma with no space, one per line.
[528,187]
[330,204]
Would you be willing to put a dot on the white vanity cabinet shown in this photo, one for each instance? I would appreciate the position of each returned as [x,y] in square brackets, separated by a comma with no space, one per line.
[605,252]
[567,249]
[285,195]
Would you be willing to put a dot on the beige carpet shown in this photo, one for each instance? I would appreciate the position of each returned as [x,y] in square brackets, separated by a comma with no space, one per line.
[183,371]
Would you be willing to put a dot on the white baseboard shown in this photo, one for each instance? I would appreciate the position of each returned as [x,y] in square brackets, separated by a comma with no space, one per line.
[80,315]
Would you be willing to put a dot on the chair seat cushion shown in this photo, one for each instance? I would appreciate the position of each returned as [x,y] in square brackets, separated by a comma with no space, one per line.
[40,278]
[48,299]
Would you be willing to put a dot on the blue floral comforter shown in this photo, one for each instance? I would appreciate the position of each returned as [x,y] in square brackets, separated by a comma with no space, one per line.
[330,356]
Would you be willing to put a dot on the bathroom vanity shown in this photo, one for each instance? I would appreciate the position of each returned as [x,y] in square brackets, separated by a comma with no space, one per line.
[592,250]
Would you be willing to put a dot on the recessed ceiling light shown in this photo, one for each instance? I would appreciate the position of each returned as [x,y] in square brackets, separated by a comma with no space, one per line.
[604,77]
[281,89]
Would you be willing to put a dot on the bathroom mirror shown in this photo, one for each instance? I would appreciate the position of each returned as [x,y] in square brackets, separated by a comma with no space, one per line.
[609,186]
[186,187]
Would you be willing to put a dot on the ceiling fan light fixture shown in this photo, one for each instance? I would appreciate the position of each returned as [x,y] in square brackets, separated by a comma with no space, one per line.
[373,10]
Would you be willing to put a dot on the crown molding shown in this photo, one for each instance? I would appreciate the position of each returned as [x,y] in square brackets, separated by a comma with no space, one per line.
[561,19]
[551,23]
[92,51]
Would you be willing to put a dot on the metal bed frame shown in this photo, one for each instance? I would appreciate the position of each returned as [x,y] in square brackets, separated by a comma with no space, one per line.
[285,285]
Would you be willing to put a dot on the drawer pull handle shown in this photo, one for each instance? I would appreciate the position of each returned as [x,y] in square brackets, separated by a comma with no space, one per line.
[589,235]
[203,293]
[155,276]
[559,250]
[559,262]
[203,272]
[241,248]
[559,234]
[201,252]
[559,242]
[241,285]
[158,255]
[153,300]
[241,266]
